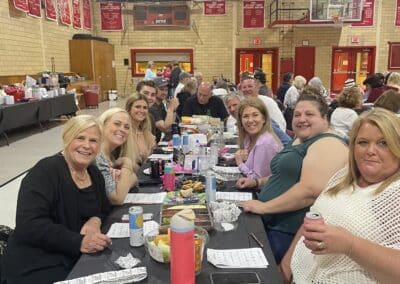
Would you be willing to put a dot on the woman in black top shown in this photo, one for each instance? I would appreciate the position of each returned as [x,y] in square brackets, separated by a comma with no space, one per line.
[60,207]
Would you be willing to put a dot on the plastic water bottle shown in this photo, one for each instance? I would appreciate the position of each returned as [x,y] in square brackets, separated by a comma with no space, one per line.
[182,250]
[211,187]
[185,143]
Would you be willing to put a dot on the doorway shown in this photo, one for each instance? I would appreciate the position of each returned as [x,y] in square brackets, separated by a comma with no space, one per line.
[304,61]
[251,58]
[351,63]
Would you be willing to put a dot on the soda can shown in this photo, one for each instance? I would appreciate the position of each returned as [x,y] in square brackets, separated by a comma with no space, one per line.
[314,218]
[136,238]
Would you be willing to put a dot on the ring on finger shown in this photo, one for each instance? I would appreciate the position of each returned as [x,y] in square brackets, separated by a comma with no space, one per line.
[321,245]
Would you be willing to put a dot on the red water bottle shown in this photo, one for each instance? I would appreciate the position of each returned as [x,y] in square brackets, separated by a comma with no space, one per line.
[182,248]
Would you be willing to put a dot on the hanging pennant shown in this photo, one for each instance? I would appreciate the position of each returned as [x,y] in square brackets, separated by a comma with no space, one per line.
[76,14]
[87,21]
[21,5]
[34,8]
[64,12]
[50,10]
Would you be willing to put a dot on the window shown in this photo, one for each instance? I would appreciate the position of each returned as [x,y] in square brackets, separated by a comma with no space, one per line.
[160,57]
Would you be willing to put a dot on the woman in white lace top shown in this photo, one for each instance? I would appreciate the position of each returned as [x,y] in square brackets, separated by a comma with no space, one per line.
[359,241]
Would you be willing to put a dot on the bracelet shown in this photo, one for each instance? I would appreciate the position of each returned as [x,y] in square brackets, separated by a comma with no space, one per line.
[128,168]
[257,184]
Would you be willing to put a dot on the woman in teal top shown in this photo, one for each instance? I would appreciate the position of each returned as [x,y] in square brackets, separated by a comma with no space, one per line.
[299,173]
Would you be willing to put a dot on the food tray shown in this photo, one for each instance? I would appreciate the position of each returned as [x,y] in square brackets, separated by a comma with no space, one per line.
[203,216]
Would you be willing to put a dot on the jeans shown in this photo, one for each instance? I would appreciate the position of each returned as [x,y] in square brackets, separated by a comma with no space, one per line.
[280,243]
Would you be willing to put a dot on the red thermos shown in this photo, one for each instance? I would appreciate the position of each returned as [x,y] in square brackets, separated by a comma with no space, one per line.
[182,248]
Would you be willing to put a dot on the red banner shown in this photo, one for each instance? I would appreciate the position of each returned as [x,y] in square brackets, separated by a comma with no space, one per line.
[397,21]
[76,14]
[21,5]
[64,11]
[111,16]
[34,8]
[214,7]
[367,15]
[87,21]
[253,14]
[50,10]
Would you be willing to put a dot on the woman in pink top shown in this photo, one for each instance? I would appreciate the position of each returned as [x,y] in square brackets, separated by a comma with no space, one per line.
[257,141]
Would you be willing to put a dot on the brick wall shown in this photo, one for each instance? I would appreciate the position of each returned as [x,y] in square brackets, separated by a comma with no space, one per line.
[27,43]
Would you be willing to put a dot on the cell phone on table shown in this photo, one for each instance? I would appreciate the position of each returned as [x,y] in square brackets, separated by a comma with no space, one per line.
[234,278]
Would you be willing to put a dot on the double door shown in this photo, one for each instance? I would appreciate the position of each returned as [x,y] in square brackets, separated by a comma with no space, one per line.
[252,58]
[351,63]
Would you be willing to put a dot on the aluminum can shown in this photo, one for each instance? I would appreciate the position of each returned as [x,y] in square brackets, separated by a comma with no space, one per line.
[313,217]
[136,238]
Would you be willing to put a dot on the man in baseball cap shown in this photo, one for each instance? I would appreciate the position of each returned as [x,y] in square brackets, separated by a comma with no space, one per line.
[163,117]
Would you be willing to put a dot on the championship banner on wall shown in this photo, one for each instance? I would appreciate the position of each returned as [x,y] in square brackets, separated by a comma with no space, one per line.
[34,8]
[367,15]
[214,8]
[397,20]
[64,12]
[21,5]
[87,20]
[76,14]
[111,16]
[50,10]
[253,14]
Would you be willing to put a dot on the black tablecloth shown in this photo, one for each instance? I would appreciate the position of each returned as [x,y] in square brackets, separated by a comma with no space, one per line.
[158,272]
[35,112]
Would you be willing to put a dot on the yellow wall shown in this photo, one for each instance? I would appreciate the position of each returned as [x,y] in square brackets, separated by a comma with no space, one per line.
[27,43]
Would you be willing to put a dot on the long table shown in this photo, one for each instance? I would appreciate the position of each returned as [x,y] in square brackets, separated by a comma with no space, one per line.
[158,272]
[35,112]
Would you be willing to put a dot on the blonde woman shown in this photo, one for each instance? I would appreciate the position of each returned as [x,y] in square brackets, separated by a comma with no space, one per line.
[143,140]
[60,208]
[291,97]
[343,117]
[257,141]
[360,238]
[114,160]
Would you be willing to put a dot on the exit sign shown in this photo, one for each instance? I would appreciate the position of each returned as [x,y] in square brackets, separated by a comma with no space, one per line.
[257,41]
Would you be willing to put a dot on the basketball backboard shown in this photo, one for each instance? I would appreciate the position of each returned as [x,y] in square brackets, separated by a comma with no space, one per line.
[332,10]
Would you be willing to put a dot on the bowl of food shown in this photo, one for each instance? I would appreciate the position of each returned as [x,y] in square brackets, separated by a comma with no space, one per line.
[158,244]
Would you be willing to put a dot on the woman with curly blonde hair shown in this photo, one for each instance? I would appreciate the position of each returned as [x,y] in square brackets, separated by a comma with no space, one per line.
[344,116]
[143,140]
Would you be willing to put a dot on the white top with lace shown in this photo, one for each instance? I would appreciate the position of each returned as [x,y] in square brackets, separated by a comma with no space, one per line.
[372,217]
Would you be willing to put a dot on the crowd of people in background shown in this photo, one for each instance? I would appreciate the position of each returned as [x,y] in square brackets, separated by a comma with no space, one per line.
[299,149]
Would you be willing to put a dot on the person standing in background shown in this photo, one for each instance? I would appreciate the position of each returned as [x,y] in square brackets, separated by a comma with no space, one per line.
[174,78]
[286,84]
[150,74]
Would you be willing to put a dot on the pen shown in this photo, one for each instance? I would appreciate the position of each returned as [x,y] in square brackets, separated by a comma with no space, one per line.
[257,240]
